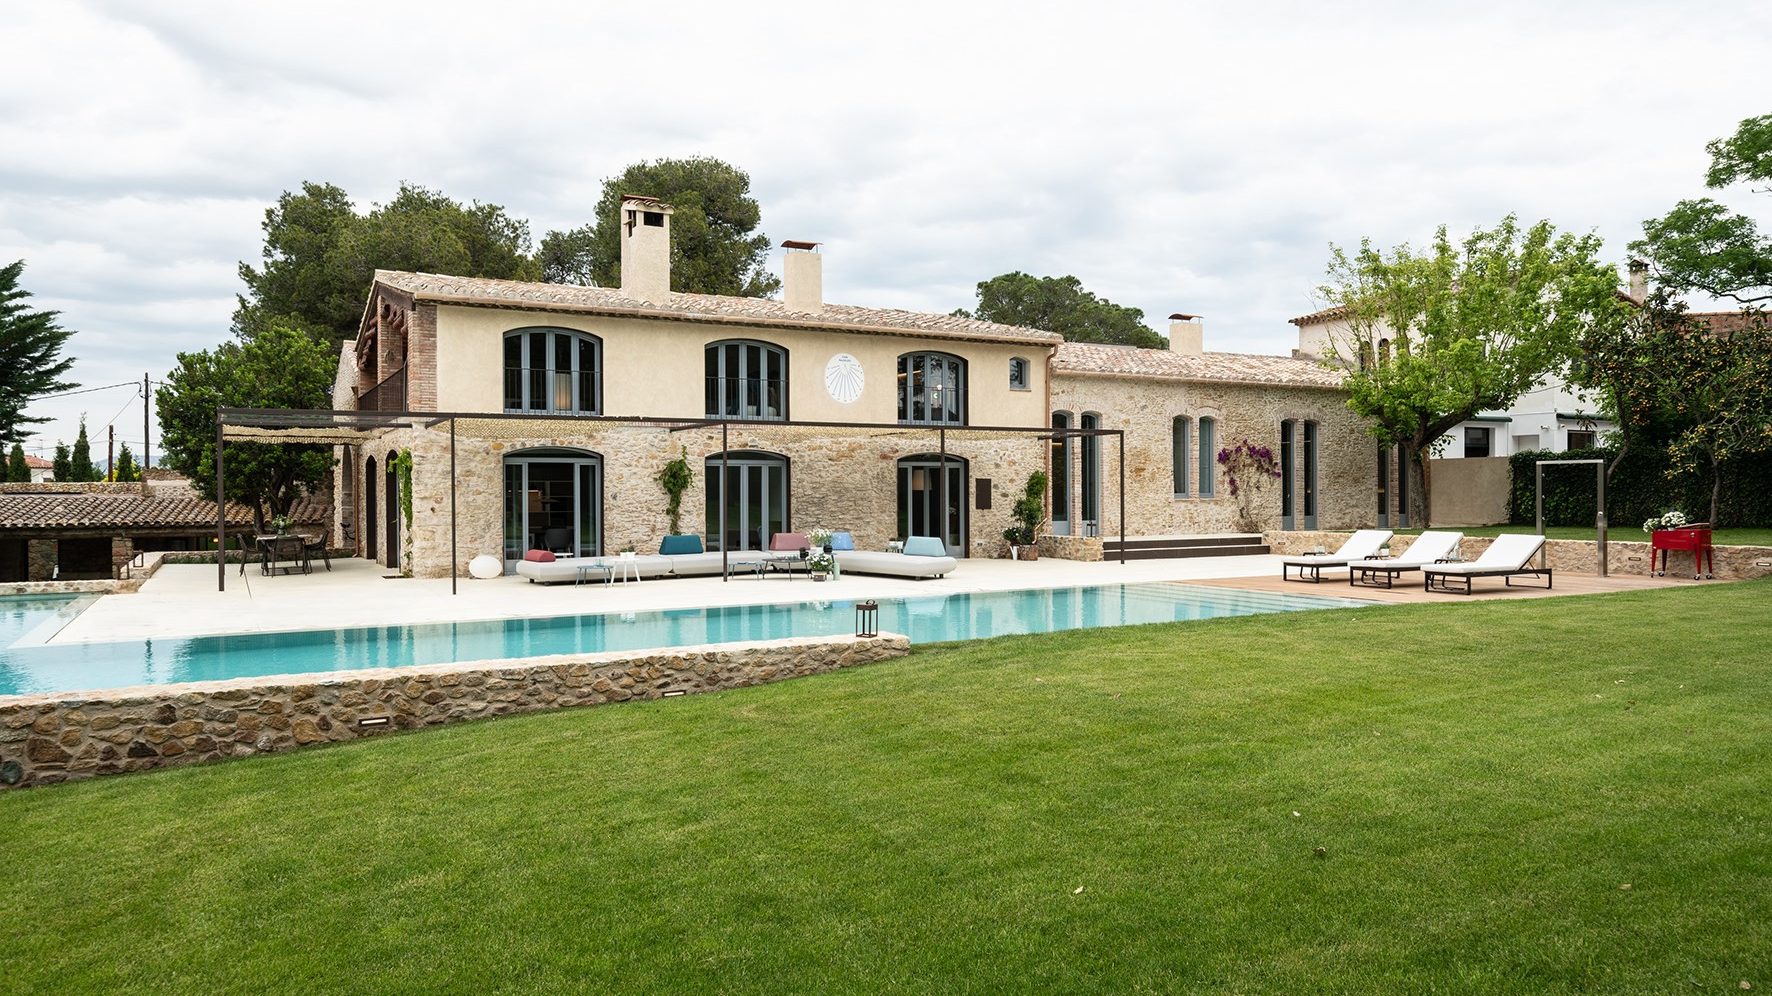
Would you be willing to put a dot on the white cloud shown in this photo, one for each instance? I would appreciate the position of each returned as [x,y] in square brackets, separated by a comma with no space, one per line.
[1197,157]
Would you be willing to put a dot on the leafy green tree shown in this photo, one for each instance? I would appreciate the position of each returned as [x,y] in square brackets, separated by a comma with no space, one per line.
[1718,388]
[17,470]
[715,245]
[62,467]
[1061,305]
[81,467]
[1432,338]
[319,254]
[126,470]
[31,363]
[1701,245]
[279,367]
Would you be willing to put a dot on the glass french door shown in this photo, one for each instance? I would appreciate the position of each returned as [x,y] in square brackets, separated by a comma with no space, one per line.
[754,490]
[1287,484]
[1060,478]
[922,493]
[553,503]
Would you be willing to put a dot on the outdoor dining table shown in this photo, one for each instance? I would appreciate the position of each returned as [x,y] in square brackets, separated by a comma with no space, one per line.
[286,546]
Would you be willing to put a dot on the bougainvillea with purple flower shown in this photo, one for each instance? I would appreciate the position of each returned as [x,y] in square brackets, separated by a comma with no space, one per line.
[1248,467]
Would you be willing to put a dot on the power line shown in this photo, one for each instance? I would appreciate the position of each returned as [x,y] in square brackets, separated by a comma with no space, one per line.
[87,390]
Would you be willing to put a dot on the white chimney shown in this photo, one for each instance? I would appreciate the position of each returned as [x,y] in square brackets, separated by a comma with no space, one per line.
[1639,281]
[1186,335]
[802,285]
[645,248]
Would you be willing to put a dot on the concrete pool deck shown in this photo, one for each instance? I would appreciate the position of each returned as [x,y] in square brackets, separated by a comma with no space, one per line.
[181,600]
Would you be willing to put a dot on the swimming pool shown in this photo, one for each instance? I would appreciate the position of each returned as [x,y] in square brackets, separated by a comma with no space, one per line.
[81,666]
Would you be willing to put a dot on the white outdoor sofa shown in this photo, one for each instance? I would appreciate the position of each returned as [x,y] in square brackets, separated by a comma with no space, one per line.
[1510,556]
[1429,548]
[1362,545]
[924,557]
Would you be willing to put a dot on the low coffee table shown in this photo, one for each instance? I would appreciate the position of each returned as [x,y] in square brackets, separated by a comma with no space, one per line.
[585,571]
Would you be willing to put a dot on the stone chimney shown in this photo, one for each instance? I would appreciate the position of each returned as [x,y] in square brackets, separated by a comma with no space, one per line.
[1639,281]
[802,279]
[1186,335]
[645,248]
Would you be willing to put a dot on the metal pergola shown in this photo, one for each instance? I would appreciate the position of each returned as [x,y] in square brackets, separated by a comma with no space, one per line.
[322,427]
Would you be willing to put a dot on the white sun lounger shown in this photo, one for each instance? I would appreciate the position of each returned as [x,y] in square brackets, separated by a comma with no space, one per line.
[1362,545]
[1429,548]
[1510,556]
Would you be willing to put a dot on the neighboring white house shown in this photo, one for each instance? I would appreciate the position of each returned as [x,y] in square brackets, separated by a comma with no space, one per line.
[41,469]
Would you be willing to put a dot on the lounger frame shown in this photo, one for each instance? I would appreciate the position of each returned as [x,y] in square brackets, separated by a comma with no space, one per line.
[1315,571]
[1507,575]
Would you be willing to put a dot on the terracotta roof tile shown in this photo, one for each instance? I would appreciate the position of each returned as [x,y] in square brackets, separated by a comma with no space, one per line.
[173,509]
[1318,317]
[1163,364]
[701,307]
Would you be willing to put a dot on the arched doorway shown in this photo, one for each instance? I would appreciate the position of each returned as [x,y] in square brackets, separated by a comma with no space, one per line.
[392,511]
[553,502]
[754,490]
[932,499]
[369,529]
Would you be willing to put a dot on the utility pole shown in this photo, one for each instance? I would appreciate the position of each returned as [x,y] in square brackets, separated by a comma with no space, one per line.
[146,399]
[110,452]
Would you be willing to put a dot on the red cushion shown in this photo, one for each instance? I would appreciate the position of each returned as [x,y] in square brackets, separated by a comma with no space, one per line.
[539,557]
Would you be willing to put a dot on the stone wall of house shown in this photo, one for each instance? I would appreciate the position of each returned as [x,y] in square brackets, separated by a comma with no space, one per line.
[836,480]
[1628,557]
[1145,410]
[46,739]
[1087,548]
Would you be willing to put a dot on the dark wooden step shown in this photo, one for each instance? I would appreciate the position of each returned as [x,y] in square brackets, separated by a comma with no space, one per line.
[1177,542]
[1184,552]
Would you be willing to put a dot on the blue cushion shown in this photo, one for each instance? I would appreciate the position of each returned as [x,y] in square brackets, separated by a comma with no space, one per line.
[924,546]
[672,545]
[842,541]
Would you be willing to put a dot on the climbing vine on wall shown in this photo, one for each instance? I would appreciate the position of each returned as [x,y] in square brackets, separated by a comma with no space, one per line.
[403,468]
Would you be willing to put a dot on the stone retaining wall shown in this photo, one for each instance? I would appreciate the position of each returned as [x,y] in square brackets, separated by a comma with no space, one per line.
[1086,548]
[1572,556]
[151,561]
[46,739]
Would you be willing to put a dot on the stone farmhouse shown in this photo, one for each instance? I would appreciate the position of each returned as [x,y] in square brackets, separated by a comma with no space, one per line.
[799,413]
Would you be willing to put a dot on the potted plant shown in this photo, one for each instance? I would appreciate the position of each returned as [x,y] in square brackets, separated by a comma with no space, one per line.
[1029,514]
[820,564]
[1666,520]
[280,524]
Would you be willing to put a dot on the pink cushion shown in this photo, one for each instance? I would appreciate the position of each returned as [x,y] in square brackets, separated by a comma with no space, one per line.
[539,557]
[789,541]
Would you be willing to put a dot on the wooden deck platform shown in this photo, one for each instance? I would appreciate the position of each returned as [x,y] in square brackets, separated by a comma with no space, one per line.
[1409,590]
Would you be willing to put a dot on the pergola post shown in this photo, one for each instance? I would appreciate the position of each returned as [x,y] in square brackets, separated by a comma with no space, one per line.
[454,569]
[221,514]
[725,556]
[1121,433]
[941,484]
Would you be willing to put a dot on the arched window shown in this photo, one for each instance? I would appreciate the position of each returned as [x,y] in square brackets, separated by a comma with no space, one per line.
[931,389]
[1178,433]
[1384,352]
[553,501]
[1208,455]
[553,370]
[1288,483]
[1310,475]
[753,487]
[1019,376]
[746,379]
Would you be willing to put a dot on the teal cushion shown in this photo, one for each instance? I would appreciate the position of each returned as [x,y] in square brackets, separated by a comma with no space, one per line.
[842,541]
[924,546]
[673,545]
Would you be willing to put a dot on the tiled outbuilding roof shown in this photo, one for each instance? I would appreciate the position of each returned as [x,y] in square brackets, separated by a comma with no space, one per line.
[38,463]
[170,509]
[1319,317]
[518,294]
[1088,358]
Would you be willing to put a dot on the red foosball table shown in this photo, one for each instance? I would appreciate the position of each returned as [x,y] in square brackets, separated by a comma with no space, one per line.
[1695,538]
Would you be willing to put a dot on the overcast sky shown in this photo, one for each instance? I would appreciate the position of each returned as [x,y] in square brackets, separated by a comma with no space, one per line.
[1192,157]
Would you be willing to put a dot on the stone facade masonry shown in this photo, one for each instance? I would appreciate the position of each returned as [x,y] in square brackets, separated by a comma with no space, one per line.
[46,739]
[1145,409]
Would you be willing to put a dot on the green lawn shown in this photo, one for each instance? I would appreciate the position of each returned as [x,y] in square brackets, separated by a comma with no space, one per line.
[1483,780]
[1618,533]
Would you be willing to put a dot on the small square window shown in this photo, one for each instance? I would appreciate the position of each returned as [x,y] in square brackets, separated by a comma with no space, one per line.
[1476,441]
[1581,439]
[654,218]
[1018,374]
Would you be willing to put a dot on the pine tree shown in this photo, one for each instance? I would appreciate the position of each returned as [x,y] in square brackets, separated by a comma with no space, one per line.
[17,470]
[64,463]
[126,469]
[31,363]
[81,468]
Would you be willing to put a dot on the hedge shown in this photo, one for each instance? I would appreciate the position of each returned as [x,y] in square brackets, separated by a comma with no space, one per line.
[1639,489]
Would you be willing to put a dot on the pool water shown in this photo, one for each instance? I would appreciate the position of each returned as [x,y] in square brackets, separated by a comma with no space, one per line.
[78,666]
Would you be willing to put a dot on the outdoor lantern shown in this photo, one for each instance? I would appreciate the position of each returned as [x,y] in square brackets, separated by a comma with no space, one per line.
[867,618]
